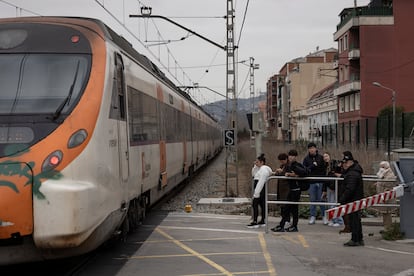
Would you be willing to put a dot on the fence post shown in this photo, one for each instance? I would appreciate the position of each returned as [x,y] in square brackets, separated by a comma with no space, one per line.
[402,130]
[358,132]
[377,131]
[323,135]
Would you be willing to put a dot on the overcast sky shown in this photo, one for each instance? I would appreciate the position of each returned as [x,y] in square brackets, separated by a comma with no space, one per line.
[274,32]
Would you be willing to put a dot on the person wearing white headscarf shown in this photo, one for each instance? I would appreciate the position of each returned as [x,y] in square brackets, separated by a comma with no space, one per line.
[385,172]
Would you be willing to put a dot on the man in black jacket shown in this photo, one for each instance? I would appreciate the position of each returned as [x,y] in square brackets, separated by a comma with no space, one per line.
[293,168]
[282,192]
[315,166]
[353,191]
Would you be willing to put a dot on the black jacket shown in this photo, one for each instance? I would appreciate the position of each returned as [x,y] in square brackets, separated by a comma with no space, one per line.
[331,168]
[298,169]
[314,170]
[282,185]
[353,186]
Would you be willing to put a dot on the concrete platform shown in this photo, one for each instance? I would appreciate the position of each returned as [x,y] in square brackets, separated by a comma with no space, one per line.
[190,244]
[225,200]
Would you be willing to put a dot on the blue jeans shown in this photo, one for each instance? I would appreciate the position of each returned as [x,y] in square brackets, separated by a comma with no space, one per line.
[315,194]
[330,195]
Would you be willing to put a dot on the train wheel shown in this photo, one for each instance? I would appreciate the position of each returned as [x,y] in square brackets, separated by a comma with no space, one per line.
[133,214]
[143,208]
[125,229]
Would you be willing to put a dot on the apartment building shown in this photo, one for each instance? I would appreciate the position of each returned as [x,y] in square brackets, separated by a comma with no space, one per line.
[375,45]
[290,90]
[322,110]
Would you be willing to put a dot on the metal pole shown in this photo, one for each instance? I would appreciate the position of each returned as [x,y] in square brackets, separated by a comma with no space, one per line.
[393,119]
[393,111]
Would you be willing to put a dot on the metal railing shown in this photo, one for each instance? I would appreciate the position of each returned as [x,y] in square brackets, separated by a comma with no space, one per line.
[369,178]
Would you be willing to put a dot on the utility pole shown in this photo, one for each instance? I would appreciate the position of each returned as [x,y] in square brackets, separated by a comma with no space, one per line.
[252,83]
[230,135]
[252,68]
[256,134]
[231,150]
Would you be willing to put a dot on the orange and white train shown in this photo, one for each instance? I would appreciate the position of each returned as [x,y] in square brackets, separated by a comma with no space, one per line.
[91,134]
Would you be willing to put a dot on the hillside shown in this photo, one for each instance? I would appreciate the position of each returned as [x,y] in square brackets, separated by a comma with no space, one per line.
[218,110]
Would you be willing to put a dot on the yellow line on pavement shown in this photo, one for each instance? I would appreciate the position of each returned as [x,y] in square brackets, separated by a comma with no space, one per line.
[303,241]
[189,240]
[298,239]
[195,253]
[268,258]
[188,255]
[234,273]
[290,238]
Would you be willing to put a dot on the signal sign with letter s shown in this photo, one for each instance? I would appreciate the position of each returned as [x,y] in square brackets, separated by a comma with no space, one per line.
[229,137]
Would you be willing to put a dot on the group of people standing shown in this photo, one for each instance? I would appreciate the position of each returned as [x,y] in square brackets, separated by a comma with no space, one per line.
[313,165]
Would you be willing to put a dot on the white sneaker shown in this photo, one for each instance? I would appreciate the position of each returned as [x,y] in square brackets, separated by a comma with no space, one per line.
[253,225]
[312,220]
[336,225]
[331,224]
[287,225]
[325,220]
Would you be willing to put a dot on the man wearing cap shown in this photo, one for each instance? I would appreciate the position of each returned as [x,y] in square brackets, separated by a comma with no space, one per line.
[353,190]
[315,166]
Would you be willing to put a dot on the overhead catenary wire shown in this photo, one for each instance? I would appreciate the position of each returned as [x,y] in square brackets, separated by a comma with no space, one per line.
[120,19]
[140,41]
[242,25]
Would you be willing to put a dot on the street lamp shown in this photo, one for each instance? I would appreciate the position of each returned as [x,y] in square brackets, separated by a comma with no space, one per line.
[393,108]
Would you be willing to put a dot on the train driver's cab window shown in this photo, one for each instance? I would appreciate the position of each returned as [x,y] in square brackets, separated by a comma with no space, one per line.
[42,83]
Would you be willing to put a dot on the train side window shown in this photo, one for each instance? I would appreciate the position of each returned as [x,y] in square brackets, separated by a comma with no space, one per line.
[143,117]
[118,91]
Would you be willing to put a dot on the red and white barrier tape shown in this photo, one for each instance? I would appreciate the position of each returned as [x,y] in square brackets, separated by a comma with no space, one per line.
[364,203]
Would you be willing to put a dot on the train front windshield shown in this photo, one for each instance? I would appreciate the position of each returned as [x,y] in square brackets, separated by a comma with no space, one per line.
[41,83]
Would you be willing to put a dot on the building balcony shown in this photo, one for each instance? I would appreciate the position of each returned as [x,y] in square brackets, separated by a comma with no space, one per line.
[353,54]
[354,17]
[348,87]
[349,13]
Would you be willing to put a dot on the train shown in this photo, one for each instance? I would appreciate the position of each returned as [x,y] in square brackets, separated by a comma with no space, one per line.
[92,134]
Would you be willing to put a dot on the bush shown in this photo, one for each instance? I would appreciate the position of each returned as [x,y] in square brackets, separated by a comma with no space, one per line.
[392,233]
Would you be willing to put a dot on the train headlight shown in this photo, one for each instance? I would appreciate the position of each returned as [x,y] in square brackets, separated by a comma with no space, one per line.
[52,161]
[77,138]
[75,38]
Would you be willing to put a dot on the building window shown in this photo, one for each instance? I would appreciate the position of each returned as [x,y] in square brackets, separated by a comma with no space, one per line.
[340,45]
[346,103]
[357,101]
[345,43]
[352,102]
[341,105]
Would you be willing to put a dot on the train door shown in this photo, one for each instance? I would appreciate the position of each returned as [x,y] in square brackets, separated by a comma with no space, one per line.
[123,150]
[162,146]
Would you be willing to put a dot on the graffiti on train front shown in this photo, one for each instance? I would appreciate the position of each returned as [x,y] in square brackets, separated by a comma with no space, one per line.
[13,169]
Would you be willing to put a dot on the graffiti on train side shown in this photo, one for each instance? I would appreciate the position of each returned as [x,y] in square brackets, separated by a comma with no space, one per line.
[11,168]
